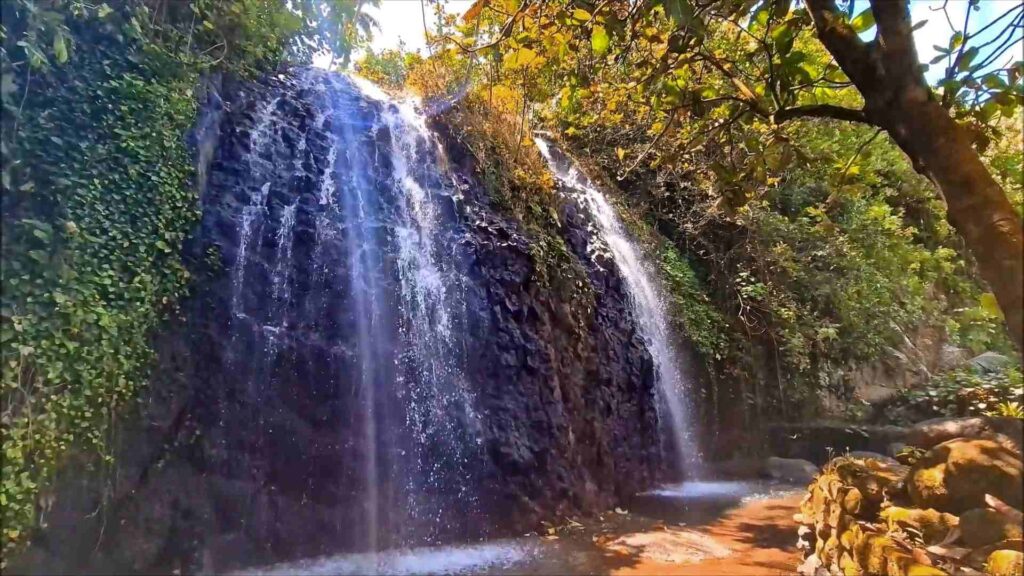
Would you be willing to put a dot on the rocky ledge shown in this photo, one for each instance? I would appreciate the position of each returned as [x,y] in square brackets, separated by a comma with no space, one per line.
[950,505]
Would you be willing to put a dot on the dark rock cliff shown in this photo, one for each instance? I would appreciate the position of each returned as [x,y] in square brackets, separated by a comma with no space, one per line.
[257,440]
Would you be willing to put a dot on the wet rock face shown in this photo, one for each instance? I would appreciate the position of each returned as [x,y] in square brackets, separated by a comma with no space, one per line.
[367,359]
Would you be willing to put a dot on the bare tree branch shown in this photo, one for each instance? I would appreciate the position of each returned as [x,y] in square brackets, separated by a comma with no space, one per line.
[822,111]
[506,31]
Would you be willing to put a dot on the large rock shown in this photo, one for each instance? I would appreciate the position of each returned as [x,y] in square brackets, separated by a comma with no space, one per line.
[933,525]
[949,357]
[790,469]
[989,362]
[1006,431]
[937,430]
[868,455]
[981,527]
[820,441]
[956,475]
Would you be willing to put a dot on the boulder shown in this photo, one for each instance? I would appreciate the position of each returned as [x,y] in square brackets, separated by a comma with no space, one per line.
[790,469]
[935,431]
[739,468]
[956,475]
[951,356]
[865,454]
[933,525]
[1006,431]
[1009,432]
[981,527]
[1005,563]
[818,442]
[989,362]
[875,480]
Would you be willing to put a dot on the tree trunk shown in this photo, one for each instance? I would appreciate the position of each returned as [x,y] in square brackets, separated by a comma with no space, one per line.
[889,76]
[977,206]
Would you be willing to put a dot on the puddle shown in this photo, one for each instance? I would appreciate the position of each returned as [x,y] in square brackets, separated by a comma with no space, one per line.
[717,490]
[703,489]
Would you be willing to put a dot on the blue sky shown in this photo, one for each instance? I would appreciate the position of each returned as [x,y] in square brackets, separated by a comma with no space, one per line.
[938,32]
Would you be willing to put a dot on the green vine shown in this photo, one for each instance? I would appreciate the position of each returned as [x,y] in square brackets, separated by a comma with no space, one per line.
[702,323]
[98,197]
[91,261]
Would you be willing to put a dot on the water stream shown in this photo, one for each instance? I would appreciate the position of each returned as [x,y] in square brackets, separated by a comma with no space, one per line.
[649,308]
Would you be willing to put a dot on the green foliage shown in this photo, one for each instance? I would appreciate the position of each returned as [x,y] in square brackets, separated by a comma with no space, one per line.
[710,91]
[818,241]
[963,392]
[702,323]
[491,122]
[389,68]
[90,254]
[97,200]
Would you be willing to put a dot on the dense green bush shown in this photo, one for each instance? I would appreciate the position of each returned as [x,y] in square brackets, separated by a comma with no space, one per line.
[702,323]
[90,260]
[966,391]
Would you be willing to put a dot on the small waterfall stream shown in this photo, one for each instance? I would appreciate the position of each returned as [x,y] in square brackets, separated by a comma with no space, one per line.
[648,307]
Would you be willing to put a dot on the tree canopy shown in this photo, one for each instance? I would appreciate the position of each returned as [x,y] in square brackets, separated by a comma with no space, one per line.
[686,77]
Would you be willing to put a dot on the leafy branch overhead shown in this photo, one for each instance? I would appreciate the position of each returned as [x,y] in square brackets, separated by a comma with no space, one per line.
[703,70]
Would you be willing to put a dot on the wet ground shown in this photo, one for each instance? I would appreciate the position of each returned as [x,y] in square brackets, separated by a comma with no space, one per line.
[695,528]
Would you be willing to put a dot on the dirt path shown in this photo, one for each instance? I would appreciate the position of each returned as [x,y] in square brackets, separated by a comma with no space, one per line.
[756,538]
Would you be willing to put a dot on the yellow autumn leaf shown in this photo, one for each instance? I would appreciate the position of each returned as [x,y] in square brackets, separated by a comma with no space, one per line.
[990,305]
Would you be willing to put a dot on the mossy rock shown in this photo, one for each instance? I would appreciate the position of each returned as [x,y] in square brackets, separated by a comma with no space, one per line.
[866,483]
[981,527]
[932,524]
[903,564]
[872,553]
[956,475]
[1005,563]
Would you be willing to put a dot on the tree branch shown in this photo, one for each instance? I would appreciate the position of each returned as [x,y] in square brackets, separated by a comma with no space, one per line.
[822,111]
[897,40]
[506,31]
[851,53]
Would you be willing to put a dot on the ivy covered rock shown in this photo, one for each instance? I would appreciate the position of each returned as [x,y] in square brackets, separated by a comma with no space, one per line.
[956,475]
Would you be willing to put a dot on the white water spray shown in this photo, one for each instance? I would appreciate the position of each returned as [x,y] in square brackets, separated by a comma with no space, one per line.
[648,308]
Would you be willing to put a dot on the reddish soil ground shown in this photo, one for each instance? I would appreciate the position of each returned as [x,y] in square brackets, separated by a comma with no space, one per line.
[760,537]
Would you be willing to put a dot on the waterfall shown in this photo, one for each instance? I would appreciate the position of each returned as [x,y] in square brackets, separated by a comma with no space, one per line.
[377,357]
[648,306]
[344,272]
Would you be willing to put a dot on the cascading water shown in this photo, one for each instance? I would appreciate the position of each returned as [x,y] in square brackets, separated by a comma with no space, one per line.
[648,307]
[349,279]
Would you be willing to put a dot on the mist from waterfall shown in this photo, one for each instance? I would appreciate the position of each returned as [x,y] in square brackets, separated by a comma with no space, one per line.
[648,304]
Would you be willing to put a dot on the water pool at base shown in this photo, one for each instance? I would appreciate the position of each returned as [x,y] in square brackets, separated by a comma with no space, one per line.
[684,506]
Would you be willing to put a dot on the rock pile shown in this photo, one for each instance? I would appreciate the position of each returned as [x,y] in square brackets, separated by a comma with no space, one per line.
[947,507]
